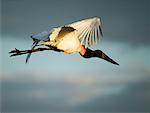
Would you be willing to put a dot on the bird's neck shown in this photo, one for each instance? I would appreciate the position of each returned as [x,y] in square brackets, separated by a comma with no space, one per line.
[82,50]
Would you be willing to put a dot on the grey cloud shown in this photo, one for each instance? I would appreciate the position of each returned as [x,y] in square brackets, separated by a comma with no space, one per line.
[125,21]
[98,92]
[134,99]
[26,95]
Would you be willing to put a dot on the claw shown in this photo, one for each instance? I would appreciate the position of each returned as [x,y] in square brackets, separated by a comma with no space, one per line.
[13,55]
[15,51]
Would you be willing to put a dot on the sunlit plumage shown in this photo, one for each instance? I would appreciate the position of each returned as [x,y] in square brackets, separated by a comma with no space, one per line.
[72,38]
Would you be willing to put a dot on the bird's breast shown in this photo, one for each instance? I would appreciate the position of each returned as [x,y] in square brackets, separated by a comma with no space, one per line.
[68,43]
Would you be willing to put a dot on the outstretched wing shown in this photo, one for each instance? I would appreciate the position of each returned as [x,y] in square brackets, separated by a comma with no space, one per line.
[43,36]
[89,30]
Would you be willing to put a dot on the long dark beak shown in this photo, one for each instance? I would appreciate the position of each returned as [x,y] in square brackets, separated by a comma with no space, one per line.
[98,53]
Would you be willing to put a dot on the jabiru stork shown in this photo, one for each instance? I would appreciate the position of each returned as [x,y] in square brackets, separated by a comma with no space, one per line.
[72,38]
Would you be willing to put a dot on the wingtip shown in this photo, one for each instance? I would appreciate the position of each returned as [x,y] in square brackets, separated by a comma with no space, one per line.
[26,62]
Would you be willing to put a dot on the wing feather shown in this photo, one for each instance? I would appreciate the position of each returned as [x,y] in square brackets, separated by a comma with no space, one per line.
[89,30]
[96,40]
[93,37]
[84,34]
[87,39]
[98,33]
[90,38]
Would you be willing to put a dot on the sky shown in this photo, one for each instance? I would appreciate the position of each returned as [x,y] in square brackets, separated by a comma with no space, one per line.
[56,82]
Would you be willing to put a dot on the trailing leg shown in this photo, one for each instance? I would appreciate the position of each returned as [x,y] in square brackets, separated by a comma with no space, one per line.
[17,52]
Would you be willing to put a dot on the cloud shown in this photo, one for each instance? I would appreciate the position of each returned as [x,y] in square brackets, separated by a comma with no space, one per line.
[121,90]
[135,98]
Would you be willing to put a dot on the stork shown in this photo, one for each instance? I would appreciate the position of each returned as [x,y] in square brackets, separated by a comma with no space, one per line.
[71,38]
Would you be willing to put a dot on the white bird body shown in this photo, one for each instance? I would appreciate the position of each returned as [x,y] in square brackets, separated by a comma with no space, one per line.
[68,42]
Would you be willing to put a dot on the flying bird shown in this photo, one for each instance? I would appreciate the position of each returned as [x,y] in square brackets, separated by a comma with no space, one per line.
[76,37]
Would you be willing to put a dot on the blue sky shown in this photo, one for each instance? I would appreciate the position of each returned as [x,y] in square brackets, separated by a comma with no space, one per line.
[66,83]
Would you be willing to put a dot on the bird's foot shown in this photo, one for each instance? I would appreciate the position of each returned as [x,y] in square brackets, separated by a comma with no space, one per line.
[17,52]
